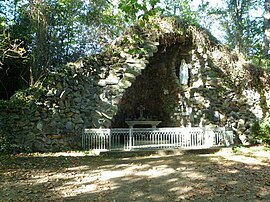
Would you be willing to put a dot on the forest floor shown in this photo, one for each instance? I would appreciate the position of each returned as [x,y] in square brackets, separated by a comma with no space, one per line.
[166,176]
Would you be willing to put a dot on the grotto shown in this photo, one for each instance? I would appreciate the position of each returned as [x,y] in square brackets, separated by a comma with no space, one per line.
[180,74]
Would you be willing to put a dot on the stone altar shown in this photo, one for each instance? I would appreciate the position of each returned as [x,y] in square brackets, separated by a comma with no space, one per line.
[142,120]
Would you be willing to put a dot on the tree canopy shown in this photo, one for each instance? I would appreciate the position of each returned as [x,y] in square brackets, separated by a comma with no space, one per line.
[38,36]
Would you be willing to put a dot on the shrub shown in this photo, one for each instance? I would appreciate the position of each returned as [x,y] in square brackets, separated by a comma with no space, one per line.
[4,140]
[261,131]
[4,144]
[239,148]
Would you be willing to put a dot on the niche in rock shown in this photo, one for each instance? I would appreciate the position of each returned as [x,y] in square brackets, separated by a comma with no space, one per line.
[157,89]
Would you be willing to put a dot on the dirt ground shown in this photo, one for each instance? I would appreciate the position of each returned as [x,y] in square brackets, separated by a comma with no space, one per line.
[144,176]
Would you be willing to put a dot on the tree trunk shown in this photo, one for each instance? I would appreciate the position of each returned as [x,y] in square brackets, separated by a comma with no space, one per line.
[266,51]
[40,52]
[239,31]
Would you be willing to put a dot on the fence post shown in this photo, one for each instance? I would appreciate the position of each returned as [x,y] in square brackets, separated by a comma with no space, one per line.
[130,138]
[209,137]
[228,140]
[83,139]
[109,139]
[224,136]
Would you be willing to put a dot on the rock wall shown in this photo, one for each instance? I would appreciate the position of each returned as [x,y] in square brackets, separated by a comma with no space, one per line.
[214,95]
[104,90]
[51,115]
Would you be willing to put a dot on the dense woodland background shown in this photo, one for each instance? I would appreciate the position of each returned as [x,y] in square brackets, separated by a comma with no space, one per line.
[38,36]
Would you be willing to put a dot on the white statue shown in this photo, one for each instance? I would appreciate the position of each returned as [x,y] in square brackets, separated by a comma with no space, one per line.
[183,72]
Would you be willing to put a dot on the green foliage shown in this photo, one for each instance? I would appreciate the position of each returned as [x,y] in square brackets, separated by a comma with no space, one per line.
[242,30]
[4,143]
[4,104]
[260,61]
[14,43]
[249,150]
[4,140]
[261,131]
[134,9]
[24,97]
[182,9]
[239,148]
[55,32]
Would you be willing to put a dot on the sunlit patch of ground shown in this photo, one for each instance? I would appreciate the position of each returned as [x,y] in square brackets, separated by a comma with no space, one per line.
[76,176]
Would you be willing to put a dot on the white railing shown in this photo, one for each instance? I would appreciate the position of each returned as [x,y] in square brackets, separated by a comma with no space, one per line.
[160,138]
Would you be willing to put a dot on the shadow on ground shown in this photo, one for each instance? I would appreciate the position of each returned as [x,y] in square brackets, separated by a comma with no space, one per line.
[125,177]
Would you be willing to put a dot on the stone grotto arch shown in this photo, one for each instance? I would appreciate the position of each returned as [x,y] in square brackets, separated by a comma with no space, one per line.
[221,89]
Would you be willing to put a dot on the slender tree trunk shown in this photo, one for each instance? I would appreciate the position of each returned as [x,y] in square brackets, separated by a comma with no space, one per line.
[266,48]
[239,30]
[239,7]
[40,53]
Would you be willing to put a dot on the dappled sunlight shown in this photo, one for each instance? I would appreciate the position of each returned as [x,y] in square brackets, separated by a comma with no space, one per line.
[208,177]
[108,175]
[233,171]
[86,189]
[254,158]
[262,154]
[193,175]
[172,180]
[79,168]
[181,190]
[155,173]
[245,159]
[111,177]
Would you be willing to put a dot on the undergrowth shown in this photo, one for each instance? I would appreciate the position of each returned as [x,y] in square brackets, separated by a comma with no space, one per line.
[261,131]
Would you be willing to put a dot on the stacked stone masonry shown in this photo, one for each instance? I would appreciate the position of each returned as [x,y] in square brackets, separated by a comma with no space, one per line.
[105,90]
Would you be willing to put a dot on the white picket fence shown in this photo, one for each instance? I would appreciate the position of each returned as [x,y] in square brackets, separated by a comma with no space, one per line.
[155,138]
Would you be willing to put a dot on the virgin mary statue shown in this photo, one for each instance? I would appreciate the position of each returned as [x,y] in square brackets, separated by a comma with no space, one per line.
[183,72]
